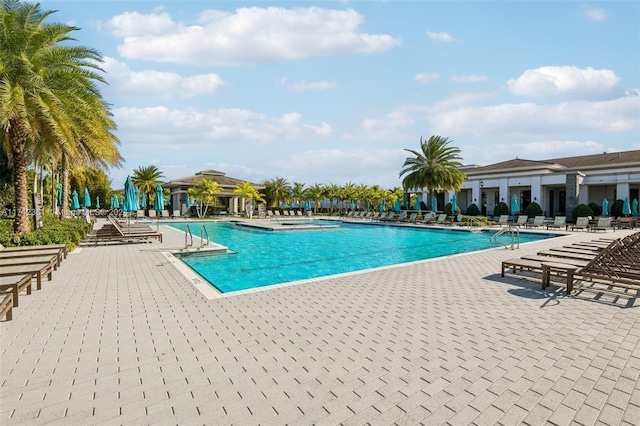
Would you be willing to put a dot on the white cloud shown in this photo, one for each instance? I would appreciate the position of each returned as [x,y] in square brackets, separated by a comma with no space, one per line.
[424,78]
[446,37]
[250,35]
[592,14]
[617,115]
[461,99]
[303,86]
[468,78]
[165,128]
[552,81]
[166,85]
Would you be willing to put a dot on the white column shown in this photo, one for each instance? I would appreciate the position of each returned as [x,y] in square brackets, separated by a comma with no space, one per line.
[504,191]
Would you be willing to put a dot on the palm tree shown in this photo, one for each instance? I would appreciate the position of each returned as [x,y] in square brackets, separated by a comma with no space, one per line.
[435,167]
[147,179]
[280,190]
[204,192]
[48,95]
[250,194]
[297,191]
[316,193]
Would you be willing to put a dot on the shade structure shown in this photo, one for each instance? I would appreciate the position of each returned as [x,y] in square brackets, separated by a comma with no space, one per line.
[454,204]
[515,208]
[59,195]
[143,200]
[130,197]
[634,207]
[97,201]
[158,204]
[398,205]
[626,207]
[75,204]
[86,199]
[418,200]
[434,203]
[605,207]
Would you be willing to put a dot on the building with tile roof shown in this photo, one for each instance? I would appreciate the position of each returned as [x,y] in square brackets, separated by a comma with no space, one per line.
[558,185]
[229,201]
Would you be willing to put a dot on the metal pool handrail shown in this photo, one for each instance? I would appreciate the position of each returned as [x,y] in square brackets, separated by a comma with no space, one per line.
[188,234]
[203,230]
[515,237]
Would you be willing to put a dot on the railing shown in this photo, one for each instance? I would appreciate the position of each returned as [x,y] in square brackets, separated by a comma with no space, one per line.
[203,230]
[187,235]
[473,224]
[513,231]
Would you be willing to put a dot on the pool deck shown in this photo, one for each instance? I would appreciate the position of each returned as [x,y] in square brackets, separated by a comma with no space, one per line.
[120,336]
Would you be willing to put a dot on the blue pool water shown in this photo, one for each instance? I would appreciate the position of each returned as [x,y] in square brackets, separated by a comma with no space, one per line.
[270,257]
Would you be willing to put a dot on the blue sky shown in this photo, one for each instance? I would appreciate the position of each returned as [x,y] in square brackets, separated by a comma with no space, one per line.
[333,92]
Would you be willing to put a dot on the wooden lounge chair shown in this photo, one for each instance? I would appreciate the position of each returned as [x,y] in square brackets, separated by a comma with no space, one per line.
[558,223]
[16,284]
[503,220]
[581,223]
[58,248]
[35,270]
[115,231]
[51,259]
[6,304]
[537,222]
[604,224]
[521,221]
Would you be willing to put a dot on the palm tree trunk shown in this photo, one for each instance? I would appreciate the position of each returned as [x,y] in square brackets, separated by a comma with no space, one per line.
[65,186]
[18,139]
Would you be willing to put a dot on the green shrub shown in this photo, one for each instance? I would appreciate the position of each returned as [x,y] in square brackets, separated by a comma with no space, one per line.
[597,210]
[582,210]
[533,210]
[616,208]
[447,209]
[473,210]
[501,208]
[54,231]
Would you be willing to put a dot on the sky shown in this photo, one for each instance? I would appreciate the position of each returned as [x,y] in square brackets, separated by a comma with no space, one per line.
[335,92]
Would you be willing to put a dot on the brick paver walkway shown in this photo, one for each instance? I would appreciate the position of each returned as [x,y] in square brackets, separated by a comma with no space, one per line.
[121,337]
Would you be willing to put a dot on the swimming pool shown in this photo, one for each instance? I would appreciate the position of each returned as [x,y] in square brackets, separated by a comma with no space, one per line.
[264,258]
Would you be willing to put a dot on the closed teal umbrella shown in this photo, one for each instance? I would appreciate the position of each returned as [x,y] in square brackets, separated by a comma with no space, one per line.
[605,207]
[188,202]
[129,204]
[114,202]
[514,205]
[626,208]
[634,207]
[158,204]
[143,201]
[97,201]
[418,202]
[86,200]
[398,205]
[59,195]
[381,206]
[454,204]
[434,203]
[75,204]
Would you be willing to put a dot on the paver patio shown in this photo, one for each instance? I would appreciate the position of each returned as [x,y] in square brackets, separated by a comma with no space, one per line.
[119,336]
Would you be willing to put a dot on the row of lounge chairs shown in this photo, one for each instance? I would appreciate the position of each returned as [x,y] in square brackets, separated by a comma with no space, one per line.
[19,266]
[559,222]
[285,213]
[612,262]
[115,230]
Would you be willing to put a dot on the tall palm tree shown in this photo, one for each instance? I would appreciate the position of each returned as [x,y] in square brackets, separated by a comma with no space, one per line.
[297,191]
[280,190]
[48,93]
[316,193]
[435,167]
[250,194]
[147,179]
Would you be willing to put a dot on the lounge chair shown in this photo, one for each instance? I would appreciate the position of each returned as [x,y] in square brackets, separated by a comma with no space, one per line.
[604,224]
[6,304]
[412,218]
[581,223]
[16,284]
[37,270]
[537,222]
[176,214]
[616,265]
[388,217]
[503,220]
[521,221]
[58,248]
[401,217]
[152,214]
[115,231]
[558,222]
